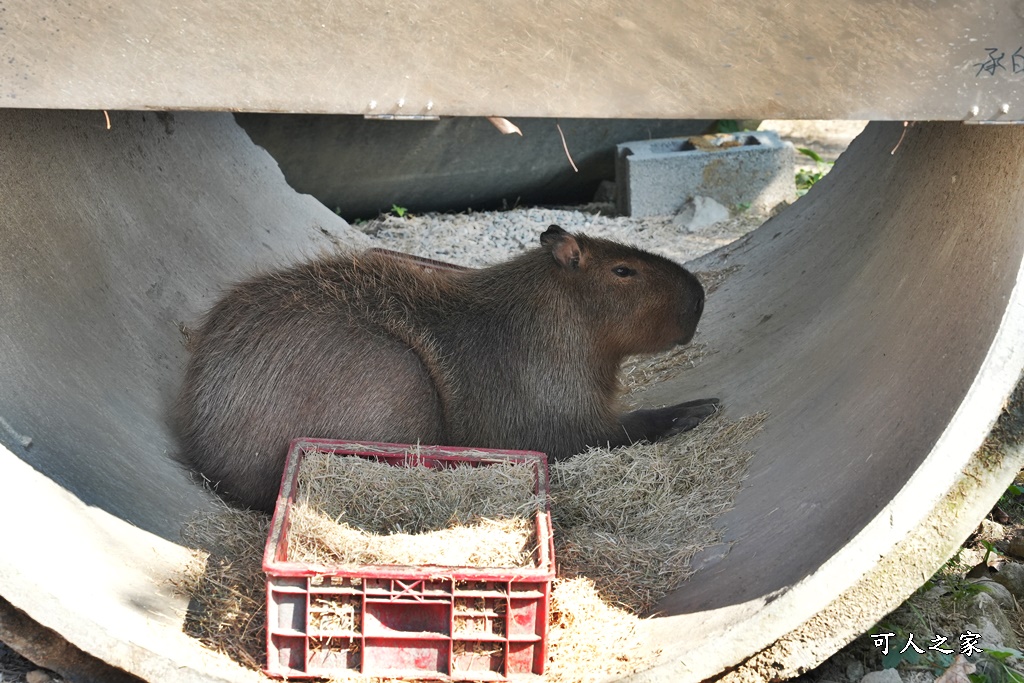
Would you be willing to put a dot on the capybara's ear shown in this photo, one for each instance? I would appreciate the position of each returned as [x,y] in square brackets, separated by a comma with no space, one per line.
[564,247]
[552,235]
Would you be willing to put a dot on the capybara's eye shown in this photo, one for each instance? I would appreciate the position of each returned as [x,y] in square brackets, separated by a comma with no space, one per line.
[623,271]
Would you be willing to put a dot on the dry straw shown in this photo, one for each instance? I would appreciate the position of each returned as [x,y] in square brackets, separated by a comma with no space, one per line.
[627,523]
[350,511]
[226,582]
[640,373]
[632,518]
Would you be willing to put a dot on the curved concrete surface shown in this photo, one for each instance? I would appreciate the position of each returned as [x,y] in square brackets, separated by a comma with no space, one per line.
[874,320]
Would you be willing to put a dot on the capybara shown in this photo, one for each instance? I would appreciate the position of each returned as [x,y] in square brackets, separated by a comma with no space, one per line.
[525,354]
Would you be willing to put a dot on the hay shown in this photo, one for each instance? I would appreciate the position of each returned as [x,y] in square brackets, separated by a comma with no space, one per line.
[340,613]
[318,539]
[226,583]
[632,518]
[380,498]
[470,616]
[590,640]
[352,511]
[640,371]
[627,523]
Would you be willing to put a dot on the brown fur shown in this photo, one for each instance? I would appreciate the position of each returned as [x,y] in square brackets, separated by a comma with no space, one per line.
[524,354]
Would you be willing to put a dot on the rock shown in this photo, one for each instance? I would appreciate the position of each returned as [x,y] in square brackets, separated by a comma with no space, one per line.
[1011,575]
[38,676]
[997,632]
[935,593]
[883,676]
[991,530]
[855,671]
[699,214]
[1015,546]
[988,620]
[998,514]
[920,677]
[990,638]
[998,591]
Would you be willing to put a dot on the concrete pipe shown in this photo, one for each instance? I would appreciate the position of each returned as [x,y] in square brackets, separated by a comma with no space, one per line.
[875,320]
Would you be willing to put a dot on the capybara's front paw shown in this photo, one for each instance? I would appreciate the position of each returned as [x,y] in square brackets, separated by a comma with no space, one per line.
[688,415]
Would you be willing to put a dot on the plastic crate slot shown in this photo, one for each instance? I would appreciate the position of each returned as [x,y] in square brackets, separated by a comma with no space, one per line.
[406,656]
[475,656]
[389,619]
[479,625]
[524,658]
[287,611]
[335,613]
[408,589]
[353,583]
[479,615]
[482,588]
[291,654]
[333,654]
[287,584]
[526,618]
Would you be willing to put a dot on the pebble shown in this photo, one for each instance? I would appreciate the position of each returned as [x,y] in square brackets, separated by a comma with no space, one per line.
[883,676]
[699,214]
[1015,546]
[998,591]
[479,239]
[920,677]
[991,637]
[992,623]
[38,676]
[1011,575]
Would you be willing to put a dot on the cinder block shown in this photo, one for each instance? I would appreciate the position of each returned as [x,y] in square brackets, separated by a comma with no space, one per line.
[656,177]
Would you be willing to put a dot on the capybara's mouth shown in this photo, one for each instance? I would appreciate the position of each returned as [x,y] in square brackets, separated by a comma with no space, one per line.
[685,339]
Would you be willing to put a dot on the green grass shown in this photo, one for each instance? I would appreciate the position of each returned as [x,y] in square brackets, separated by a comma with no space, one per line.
[805,179]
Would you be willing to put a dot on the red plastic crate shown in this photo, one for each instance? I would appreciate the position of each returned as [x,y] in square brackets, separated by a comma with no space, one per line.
[426,622]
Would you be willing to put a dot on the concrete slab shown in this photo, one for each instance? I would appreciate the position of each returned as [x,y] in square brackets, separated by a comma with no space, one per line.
[700,60]
[658,177]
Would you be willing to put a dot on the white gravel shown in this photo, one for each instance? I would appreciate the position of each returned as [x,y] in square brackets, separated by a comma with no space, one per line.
[483,238]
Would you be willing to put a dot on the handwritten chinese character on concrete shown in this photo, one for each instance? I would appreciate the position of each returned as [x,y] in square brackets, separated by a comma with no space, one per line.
[994,61]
